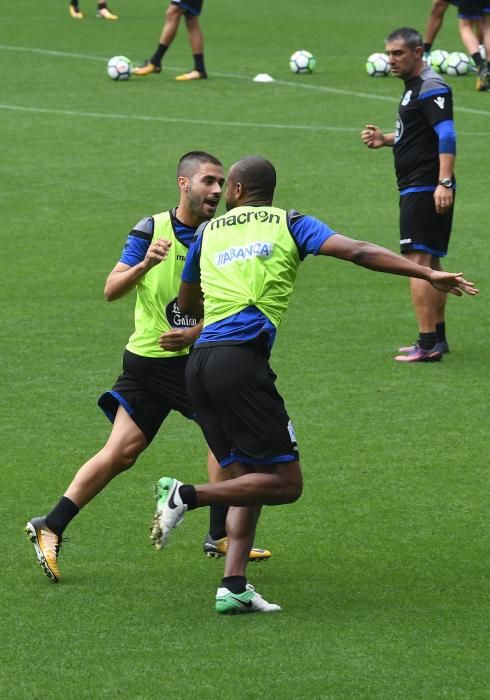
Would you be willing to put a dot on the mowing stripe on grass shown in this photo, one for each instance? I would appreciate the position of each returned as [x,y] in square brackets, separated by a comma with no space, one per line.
[235,76]
[181,120]
[171,120]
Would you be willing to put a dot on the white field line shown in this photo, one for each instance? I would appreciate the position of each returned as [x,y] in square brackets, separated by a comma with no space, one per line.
[234,76]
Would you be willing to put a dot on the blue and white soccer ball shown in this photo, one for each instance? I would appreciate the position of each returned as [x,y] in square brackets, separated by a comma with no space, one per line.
[119,68]
[302,62]
[377,65]
[438,60]
[458,63]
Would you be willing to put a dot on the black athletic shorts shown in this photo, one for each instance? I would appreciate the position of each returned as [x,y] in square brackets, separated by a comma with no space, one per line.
[190,7]
[421,227]
[238,407]
[472,9]
[148,389]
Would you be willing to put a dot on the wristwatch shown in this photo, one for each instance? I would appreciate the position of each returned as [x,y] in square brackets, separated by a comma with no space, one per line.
[446,182]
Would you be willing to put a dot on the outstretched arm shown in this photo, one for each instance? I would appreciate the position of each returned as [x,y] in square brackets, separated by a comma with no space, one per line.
[380,259]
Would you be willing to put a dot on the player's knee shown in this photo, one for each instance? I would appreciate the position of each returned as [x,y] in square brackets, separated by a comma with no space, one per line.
[124,456]
[292,490]
[172,13]
[295,492]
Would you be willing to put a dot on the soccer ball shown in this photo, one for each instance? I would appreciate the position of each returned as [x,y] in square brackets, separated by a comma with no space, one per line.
[302,62]
[458,63]
[119,68]
[377,65]
[438,60]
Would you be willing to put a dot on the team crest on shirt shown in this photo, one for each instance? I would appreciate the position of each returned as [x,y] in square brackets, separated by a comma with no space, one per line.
[406,98]
[398,129]
[176,318]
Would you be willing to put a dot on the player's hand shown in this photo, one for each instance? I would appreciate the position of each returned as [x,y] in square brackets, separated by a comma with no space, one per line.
[443,199]
[372,137]
[178,339]
[157,252]
[452,283]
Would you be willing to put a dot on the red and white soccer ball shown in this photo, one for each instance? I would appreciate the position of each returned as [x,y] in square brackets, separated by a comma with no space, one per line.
[377,65]
[302,62]
[457,63]
[119,68]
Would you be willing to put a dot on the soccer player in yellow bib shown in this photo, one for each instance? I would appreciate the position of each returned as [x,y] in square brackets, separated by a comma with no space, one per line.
[244,264]
[152,383]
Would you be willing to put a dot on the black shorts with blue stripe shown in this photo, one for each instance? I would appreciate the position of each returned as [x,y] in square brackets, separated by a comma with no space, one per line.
[421,227]
[240,411]
[148,389]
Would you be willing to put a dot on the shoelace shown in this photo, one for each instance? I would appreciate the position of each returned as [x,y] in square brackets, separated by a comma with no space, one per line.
[53,542]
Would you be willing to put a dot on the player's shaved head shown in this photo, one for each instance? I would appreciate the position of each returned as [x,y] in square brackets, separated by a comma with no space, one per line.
[256,175]
[191,161]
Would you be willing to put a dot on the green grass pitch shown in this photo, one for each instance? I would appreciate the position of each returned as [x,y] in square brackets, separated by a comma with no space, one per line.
[382,566]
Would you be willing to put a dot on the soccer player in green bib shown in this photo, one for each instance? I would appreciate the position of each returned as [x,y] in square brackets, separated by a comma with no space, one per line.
[244,265]
[153,379]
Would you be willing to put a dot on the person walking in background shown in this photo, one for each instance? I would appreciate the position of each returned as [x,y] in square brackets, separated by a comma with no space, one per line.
[190,10]
[424,147]
[241,270]
[152,383]
[434,24]
[103,11]
[470,12]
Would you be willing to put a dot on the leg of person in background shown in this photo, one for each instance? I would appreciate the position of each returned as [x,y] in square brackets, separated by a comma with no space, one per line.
[196,41]
[103,11]
[429,306]
[169,32]
[74,10]
[472,44]
[434,24]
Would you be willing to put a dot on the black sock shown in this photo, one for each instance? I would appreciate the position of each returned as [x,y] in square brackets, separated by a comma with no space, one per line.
[479,63]
[427,48]
[187,492]
[199,63]
[427,340]
[235,584]
[156,59]
[74,3]
[61,515]
[441,331]
[102,6]
[217,520]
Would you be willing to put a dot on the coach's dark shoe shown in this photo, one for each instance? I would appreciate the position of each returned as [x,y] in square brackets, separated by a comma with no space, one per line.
[418,354]
[441,345]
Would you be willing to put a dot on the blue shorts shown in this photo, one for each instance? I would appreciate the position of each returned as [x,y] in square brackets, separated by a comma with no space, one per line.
[473,9]
[191,8]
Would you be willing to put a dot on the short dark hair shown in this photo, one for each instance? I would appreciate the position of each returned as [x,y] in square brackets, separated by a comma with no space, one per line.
[189,162]
[410,36]
[257,175]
